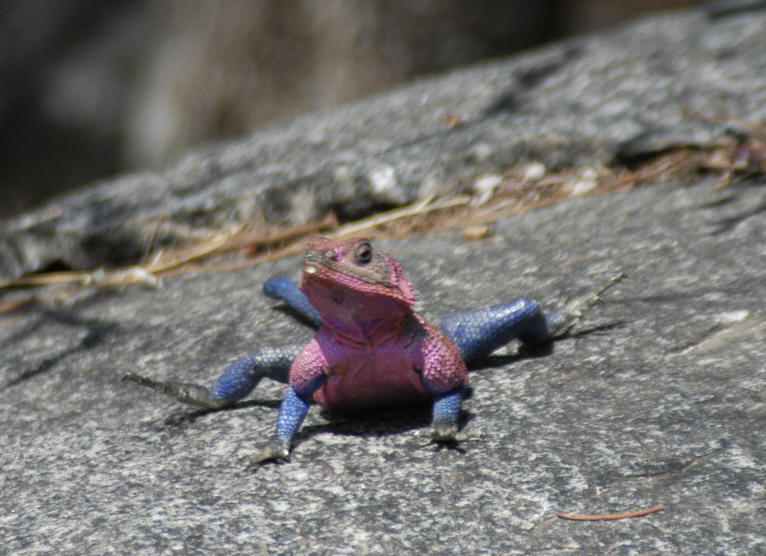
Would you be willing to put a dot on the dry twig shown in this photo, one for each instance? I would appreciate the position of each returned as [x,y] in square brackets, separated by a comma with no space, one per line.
[616,515]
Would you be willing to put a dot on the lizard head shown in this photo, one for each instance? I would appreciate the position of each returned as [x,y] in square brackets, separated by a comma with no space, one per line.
[352,274]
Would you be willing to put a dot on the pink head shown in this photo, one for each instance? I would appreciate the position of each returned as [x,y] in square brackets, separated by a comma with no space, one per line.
[350,276]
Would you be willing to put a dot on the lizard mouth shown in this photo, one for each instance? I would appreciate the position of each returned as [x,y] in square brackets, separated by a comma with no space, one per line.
[309,268]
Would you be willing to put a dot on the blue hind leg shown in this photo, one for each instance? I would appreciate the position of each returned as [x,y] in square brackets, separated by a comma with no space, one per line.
[236,382]
[479,332]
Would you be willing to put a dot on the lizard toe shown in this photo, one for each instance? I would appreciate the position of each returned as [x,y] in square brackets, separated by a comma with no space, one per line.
[274,451]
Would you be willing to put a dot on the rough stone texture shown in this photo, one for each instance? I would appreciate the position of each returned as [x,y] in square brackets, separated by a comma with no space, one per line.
[657,398]
[596,99]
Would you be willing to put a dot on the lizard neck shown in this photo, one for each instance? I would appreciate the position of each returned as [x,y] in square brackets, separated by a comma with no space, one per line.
[368,334]
[357,317]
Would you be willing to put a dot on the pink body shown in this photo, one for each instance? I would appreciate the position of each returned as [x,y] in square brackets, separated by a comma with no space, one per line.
[372,348]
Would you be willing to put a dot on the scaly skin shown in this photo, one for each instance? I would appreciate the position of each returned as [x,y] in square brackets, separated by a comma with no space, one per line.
[372,349]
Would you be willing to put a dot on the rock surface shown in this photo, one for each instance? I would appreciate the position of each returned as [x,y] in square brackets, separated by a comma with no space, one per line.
[620,95]
[658,396]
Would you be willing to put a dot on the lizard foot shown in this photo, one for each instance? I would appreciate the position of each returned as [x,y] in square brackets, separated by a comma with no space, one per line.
[444,432]
[444,436]
[274,451]
[565,318]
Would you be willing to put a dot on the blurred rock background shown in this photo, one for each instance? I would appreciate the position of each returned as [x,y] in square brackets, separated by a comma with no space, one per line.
[96,87]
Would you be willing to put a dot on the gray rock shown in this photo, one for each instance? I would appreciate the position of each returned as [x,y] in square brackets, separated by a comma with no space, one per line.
[658,397]
[614,96]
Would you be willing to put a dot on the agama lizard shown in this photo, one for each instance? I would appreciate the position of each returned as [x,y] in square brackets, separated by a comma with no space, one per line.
[371,348]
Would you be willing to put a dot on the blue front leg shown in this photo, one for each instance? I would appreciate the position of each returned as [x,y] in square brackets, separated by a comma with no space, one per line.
[284,289]
[446,410]
[292,412]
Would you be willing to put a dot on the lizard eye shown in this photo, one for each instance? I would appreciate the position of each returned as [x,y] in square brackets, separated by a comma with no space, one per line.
[363,253]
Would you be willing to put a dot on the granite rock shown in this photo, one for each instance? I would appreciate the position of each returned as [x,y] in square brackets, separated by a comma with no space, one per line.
[657,398]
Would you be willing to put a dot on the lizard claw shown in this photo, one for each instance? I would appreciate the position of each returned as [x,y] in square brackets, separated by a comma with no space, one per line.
[138,379]
[444,433]
[444,436]
[274,451]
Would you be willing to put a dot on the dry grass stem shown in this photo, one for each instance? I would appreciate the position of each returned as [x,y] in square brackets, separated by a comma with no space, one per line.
[521,189]
[611,516]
